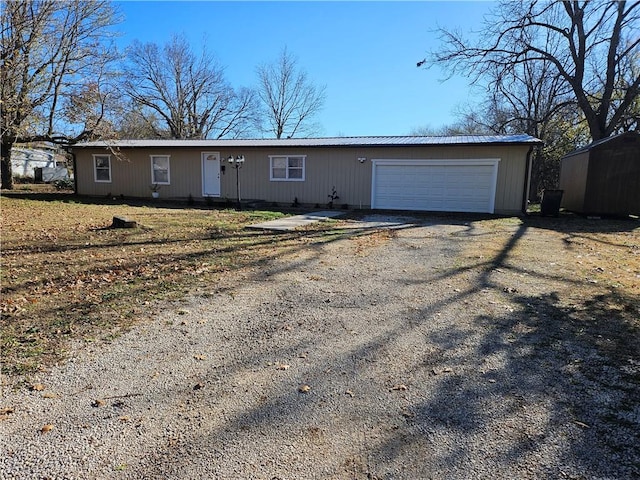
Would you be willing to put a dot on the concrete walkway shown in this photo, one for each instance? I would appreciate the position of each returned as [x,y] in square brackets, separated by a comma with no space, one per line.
[291,223]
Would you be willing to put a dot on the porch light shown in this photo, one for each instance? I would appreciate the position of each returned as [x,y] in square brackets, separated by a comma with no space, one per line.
[237,164]
[238,160]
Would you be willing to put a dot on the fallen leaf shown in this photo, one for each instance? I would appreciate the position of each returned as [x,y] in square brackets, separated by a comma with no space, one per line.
[406,413]
[400,387]
[124,418]
[47,428]
[437,371]
[304,388]
[49,395]
[97,403]
[36,387]
[5,412]
[282,366]
[200,357]
[350,393]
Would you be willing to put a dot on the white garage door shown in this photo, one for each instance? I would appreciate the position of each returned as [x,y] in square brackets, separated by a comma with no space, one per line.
[435,185]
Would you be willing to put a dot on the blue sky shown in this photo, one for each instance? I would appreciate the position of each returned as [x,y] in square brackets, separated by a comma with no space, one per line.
[364,52]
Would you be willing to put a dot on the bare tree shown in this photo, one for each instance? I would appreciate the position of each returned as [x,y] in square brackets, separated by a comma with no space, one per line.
[186,92]
[136,124]
[289,98]
[532,98]
[467,125]
[588,44]
[55,79]
[630,120]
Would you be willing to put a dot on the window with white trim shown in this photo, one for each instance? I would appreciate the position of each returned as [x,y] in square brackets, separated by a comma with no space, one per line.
[287,168]
[102,168]
[160,169]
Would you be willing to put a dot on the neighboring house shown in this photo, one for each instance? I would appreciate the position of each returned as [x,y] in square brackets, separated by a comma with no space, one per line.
[25,162]
[454,174]
[603,178]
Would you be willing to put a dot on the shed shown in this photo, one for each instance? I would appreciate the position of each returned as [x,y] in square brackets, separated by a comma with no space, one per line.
[603,178]
[488,174]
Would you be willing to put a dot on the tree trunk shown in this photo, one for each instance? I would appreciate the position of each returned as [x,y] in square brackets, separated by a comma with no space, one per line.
[535,181]
[6,173]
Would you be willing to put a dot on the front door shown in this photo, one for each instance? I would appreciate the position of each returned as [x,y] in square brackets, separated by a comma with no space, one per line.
[210,174]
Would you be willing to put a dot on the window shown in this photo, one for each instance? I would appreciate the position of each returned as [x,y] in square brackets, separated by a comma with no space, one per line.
[287,168]
[102,168]
[160,169]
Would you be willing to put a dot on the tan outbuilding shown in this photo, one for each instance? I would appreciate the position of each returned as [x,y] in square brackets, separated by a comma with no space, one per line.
[603,178]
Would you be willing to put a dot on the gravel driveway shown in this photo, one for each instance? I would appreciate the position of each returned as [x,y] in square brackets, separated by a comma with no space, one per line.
[392,355]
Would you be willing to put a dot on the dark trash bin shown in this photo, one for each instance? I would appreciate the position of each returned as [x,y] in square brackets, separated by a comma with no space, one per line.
[37,174]
[550,206]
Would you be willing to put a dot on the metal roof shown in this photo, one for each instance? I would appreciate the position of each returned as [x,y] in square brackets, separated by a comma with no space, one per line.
[631,134]
[322,142]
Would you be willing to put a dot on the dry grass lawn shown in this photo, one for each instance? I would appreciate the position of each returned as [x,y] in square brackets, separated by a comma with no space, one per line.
[67,275]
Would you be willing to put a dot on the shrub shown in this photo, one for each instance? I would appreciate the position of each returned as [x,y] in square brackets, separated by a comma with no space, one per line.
[64,184]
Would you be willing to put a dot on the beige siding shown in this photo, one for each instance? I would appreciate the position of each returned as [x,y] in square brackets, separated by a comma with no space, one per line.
[325,168]
[573,180]
[131,175]
[511,168]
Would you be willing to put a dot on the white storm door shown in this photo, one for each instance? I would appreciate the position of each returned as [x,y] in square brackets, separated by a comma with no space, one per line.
[210,174]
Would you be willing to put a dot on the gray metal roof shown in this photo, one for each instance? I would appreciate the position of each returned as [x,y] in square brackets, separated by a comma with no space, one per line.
[322,142]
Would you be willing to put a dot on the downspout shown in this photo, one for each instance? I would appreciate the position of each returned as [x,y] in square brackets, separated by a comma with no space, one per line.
[527,181]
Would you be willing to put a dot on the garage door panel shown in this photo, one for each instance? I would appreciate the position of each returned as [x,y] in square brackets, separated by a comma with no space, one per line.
[462,186]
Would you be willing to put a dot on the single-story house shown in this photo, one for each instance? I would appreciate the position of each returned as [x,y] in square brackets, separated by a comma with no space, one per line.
[454,174]
[40,163]
[603,178]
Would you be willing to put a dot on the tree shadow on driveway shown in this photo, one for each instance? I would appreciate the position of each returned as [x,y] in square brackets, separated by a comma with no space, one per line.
[548,388]
[449,350]
[440,365]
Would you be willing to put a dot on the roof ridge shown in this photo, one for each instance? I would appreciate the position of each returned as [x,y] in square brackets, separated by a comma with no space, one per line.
[373,140]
